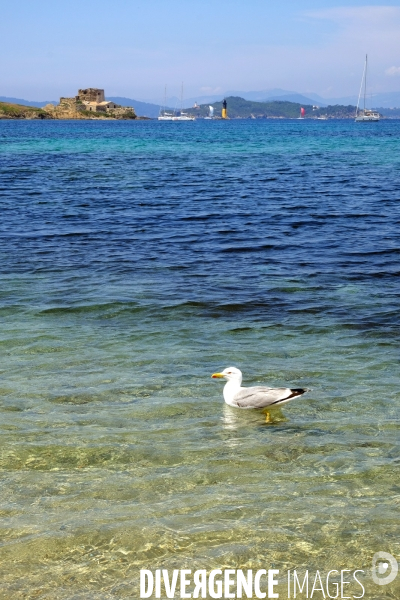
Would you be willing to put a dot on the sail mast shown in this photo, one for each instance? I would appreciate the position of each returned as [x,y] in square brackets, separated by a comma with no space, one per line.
[182,97]
[361,86]
[365,80]
[365,114]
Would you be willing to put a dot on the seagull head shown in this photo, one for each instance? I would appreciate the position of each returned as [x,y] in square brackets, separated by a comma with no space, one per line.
[230,374]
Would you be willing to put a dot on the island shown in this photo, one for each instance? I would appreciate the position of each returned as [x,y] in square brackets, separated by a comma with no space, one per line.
[239,108]
[90,103]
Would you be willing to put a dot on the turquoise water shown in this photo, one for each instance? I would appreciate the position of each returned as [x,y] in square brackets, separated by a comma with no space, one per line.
[136,260]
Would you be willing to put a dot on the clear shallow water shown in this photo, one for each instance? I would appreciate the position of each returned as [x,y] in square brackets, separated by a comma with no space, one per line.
[137,259]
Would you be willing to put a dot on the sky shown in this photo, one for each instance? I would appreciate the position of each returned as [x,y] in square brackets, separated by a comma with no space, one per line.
[134,48]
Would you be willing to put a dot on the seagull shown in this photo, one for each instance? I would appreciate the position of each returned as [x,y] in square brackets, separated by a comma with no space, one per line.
[253,397]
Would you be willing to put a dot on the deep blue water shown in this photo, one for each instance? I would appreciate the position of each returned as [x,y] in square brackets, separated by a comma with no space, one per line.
[137,259]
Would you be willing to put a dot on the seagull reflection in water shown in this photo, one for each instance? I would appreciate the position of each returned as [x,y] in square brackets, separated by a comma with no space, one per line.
[233,419]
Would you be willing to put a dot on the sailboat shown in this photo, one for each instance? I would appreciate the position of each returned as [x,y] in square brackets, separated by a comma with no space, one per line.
[211,113]
[302,113]
[164,115]
[168,116]
[365,114]
[183,116]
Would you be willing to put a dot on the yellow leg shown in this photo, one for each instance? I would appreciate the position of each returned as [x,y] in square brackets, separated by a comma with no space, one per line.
[275,416]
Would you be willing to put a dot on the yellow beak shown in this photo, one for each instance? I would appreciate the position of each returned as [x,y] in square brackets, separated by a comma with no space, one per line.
[217,376]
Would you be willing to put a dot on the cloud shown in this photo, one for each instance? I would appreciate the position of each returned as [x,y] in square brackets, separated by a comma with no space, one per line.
[393,71]
[332,64]
[357,31]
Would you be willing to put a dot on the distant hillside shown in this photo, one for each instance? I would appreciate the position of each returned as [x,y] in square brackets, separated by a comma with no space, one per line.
[238,108]
[261,95]
[280,95]
[23,102]
[384,99]
[297,98]
[10,110]
[390,113]
[142,109]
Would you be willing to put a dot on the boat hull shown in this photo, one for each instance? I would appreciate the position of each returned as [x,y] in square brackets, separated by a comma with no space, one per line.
[363,118]
[176,118]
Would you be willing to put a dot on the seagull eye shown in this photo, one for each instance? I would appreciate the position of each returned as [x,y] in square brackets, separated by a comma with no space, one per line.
[229,372]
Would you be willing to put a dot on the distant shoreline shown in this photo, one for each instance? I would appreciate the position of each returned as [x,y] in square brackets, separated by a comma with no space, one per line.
[16,112]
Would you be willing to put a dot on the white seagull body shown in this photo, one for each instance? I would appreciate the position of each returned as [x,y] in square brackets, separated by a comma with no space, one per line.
[253,397]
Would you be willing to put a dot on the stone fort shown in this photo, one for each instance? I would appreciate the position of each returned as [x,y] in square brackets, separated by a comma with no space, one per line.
[89,100]
[91,95]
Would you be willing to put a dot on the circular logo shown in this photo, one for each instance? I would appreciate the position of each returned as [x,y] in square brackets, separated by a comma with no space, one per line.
[384,568]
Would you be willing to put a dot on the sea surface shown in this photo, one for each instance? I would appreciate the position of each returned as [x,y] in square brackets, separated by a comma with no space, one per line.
[136,259]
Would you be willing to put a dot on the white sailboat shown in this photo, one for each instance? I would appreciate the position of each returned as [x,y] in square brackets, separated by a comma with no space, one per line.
[211,113]
[176,115]
[183,116]
[164,115]
[365,114]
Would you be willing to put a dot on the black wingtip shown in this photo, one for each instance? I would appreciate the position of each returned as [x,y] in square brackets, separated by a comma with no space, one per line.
[297,392]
